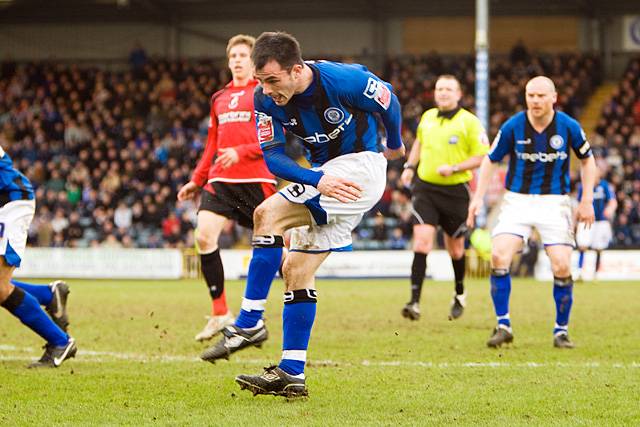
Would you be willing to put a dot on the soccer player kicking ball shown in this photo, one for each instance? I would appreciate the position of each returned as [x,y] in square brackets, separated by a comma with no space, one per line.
[232,172]
[24,300]
[330,107]
[538,142]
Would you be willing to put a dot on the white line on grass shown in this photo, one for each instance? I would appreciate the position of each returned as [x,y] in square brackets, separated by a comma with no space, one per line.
[90,356]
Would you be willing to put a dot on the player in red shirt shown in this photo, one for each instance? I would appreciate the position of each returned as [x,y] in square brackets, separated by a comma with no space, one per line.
[232,173]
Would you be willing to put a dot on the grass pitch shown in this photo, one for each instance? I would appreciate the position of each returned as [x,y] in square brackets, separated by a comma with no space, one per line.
[138,363]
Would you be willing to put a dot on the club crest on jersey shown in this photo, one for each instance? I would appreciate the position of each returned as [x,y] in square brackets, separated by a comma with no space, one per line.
[379,92]
[265,127]
[556,142]
[333,115]
[234,99]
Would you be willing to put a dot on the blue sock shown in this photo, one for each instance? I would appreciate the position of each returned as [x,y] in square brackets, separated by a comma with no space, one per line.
[26,308]
[265,262]
[563,296]
[297,320]
[580,260]
[500,292]
[41,292]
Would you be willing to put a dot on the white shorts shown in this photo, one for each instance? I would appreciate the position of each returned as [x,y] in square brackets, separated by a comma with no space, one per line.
[596,237]
[550,214]
[15,218]
[333,220]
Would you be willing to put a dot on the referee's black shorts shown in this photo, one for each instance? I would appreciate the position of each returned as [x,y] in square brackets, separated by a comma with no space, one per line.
[443,205]
[235,201]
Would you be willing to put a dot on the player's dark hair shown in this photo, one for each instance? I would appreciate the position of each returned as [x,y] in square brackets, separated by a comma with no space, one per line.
[449,77]
[276,46]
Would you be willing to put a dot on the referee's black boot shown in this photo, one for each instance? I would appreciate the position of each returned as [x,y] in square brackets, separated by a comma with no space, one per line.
[457,306]
[411,311]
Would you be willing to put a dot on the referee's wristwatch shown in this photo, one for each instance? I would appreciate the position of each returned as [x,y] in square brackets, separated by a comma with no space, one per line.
[455,168]
[409,166]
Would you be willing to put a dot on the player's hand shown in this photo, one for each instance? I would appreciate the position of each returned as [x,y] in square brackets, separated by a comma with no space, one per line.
[585,213]
[188,191]
[227,157]
[445,170]
[608,213]
[407,177]
[339,188]
[393,154]
[474,209]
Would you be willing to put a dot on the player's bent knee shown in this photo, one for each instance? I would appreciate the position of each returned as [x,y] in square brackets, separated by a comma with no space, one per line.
[422,246]
[500,260]
[206,243]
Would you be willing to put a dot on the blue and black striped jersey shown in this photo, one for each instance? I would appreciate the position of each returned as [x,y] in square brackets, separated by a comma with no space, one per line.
[602,193]
[13,184]
[539,162]
[334,116]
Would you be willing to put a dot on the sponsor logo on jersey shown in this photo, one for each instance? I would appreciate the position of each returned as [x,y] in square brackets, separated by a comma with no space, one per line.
[321,138]
[265,127]
[523,141]
[556,142]
[292,122]
[379,92]
[542,157]
[234,116]
[333,115]
[234,99]
[453,139]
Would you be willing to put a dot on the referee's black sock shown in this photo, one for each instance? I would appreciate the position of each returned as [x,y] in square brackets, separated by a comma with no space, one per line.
[458,272]
[418,270]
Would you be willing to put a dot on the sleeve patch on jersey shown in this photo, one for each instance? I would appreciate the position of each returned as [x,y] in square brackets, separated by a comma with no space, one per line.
[265,128]
[379,92]
[585,148]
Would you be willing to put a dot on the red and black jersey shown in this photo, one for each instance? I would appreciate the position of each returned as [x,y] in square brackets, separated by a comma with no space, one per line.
[232,124]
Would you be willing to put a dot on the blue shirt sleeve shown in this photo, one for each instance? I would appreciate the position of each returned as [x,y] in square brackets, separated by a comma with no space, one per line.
[608,191]
[364,90]
[579,142]
[285,167]
[502,144]
[269,130]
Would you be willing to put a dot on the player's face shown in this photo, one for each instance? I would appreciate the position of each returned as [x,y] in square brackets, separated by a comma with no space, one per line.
[540,98]
[279,83]
[447,94]
[240,61]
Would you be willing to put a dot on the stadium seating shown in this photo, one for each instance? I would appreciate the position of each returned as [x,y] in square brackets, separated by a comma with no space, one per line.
[108,150]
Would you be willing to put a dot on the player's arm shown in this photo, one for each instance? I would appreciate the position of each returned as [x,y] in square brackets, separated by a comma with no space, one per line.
[612,203]
[588,171]
[367,92]
[272,140]
[501,146]
[201,172]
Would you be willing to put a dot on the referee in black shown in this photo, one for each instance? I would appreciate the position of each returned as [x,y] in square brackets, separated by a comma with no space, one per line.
[450,143]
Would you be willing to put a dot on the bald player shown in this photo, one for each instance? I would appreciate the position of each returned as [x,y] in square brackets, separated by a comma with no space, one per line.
[537,142]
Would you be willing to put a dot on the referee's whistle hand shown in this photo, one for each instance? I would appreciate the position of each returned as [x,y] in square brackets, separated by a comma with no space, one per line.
[407,177]
[339,188]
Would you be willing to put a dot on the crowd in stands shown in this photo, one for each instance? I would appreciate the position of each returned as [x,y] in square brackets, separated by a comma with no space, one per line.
[108,150]
[617,144]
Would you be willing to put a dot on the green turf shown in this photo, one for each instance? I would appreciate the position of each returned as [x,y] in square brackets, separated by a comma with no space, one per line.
[368,366]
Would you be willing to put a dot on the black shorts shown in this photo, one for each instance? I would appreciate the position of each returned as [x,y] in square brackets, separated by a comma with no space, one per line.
[235,201]
[443,205]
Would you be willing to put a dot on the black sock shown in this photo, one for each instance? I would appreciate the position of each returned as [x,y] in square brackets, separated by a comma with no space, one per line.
[458,271]
[598,260]
[418,270]
[213,272]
